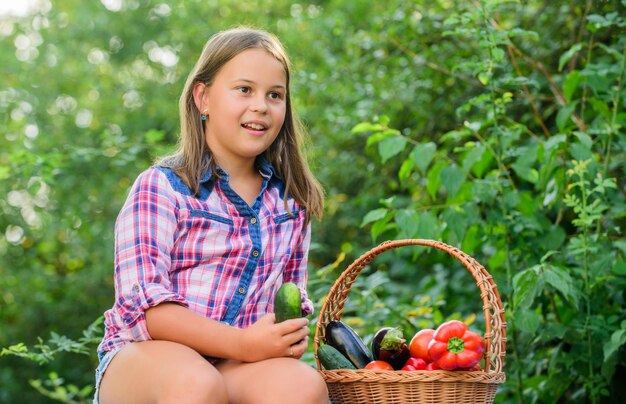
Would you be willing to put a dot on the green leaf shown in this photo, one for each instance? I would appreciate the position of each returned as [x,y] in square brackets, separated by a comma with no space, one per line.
[618,338]
[457,221]
[473,156]
[564,115]
[377,137]
[434,180]
[561,281]
[384,120]
[367,127]
[553,330]
[526,286]
[381,225]
[18,348]
[484,77]
[374,215]
[570,85]
[553,238]
[498,55]
[611,51]
[452,178]
[580,151]
[523,166]
[407,221]
[554,142]
[497,260]
[422,154]
[405,170]
[601,107]
[527,321]
[391,146]
[85,391]
[619,268]
[428,226]
[597,21]
[456,135]
[569,54]
[471,240]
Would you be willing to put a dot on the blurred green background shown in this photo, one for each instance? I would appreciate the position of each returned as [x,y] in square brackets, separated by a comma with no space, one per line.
[494,126]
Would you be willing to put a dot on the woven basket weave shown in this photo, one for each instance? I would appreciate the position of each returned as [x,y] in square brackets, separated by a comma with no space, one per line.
[436,386]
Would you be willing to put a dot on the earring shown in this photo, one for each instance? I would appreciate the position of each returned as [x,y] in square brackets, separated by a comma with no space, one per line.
[204,114]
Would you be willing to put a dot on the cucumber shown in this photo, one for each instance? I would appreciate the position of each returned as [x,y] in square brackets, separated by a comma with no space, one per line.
[348,343]
[287,302]
[331,358]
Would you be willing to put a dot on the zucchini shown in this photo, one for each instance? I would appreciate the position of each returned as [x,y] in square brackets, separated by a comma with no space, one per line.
[348,343]
[287,302]
[331,358]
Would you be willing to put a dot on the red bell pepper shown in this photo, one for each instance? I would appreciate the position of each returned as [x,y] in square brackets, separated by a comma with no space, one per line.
[414,364]
[454,346]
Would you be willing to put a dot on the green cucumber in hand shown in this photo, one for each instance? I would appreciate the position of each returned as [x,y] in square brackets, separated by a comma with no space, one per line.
[288,302]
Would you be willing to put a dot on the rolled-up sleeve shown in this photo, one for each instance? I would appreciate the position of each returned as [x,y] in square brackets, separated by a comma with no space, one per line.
[296,270]
[144,236]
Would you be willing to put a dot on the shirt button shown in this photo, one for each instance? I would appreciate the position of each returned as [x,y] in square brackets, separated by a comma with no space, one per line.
[255,253]
[242,290]
[253,220]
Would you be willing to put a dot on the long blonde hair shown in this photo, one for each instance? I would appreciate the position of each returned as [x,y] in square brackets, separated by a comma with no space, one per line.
[193,157]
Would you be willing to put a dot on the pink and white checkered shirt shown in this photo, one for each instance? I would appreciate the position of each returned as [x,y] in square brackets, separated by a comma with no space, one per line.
[212,253]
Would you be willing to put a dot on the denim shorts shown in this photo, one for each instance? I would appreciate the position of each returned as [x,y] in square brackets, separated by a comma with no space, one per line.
[105,358]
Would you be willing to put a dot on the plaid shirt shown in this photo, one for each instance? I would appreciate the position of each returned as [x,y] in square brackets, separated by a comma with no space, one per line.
[212,253]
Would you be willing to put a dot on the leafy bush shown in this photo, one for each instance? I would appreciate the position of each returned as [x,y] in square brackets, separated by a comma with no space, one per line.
[494,126]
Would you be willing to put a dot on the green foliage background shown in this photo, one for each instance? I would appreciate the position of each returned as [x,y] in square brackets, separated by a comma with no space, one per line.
[494,126]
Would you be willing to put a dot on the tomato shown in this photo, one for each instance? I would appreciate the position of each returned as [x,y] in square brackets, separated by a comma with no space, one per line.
[378,365]
[419,344]
[432,366]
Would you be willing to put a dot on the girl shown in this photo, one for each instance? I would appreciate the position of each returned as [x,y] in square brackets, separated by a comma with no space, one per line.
[206,238]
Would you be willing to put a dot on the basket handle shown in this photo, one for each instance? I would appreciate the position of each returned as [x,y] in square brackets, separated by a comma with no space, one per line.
[495,334]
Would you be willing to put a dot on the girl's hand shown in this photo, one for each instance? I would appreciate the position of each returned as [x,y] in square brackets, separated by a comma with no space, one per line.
[265,339]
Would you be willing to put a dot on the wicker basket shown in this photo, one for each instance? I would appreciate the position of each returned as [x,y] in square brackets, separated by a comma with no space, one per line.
[437,386]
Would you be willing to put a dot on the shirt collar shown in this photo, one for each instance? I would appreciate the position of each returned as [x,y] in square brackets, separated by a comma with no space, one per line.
[266,169]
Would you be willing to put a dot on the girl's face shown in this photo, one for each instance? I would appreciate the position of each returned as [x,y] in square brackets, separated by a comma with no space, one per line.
[246,107]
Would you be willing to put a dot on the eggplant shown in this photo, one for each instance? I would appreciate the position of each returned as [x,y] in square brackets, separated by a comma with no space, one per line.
[344,339]
[390,346]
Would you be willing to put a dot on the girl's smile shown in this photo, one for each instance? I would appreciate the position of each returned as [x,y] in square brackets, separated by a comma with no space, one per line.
[255,127]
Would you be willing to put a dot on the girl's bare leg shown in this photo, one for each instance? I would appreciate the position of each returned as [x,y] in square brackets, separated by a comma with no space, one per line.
[275,381]
[161,372]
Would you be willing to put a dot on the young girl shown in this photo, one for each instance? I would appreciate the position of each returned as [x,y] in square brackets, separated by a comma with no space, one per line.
[206,238]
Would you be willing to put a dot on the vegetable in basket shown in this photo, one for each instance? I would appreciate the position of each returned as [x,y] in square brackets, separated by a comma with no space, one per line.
[419,344]
[343,338]
[454,346]
[389,345]
[331,358]
[415,364]
[378,365]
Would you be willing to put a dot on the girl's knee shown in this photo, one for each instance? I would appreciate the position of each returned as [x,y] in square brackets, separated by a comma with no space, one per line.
[278,380]
[197,384]
[305,382]
[314,387]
